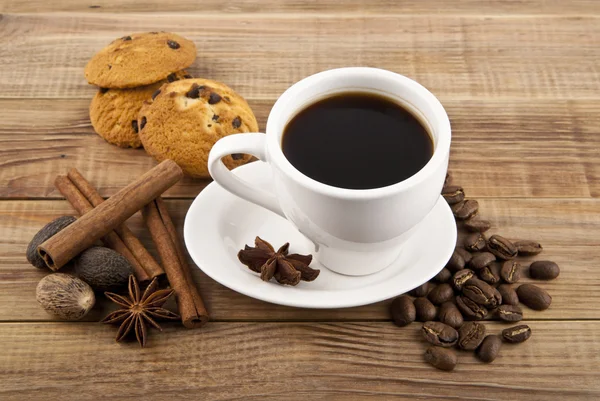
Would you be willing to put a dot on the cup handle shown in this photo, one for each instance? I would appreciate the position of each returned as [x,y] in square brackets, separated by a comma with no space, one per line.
[253,144]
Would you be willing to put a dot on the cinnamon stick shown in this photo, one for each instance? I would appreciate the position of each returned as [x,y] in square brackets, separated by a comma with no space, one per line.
[111,240]
[191,308]
[81,234]
[145,259]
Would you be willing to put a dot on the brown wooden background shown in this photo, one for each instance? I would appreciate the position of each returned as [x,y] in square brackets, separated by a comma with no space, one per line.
[521,83]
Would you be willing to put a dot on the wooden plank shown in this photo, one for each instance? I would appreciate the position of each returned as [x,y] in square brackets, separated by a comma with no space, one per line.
[477,7]
[295,361]
[501,148]
[261,55]
[568,229]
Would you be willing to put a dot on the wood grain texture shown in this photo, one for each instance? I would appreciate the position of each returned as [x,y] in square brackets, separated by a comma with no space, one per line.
[464,7]
[262,55]
[292,361]
[500,148]
[557,224]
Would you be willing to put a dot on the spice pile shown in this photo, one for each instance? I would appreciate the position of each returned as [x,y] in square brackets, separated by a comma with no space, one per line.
[476,284]
[123,262]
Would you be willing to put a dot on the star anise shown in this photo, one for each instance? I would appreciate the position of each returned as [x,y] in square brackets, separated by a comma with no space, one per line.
[287,269]
[139,309]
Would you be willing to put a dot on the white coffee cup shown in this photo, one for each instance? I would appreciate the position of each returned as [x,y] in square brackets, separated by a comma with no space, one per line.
[355,232]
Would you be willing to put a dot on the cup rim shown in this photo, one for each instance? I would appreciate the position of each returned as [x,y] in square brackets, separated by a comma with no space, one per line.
[276,156]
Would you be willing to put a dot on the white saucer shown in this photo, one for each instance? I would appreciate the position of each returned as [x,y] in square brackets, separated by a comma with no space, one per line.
[218,224]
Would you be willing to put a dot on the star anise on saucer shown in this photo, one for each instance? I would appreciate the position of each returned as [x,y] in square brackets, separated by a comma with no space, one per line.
[139,309]
[287,269]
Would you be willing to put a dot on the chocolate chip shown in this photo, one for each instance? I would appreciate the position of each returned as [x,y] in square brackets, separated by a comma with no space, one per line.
[209,125]
[172,77]
[236,122]
[134,125]
[214,98]
[187,76]
[156,93]
[226,99]
[173,45]
[215,117]
[143,123]
[109,66]
[126,37]
[237,156]
[194,92]
[104,90]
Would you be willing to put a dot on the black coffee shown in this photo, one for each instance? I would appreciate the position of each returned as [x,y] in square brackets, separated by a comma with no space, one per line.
[357,141]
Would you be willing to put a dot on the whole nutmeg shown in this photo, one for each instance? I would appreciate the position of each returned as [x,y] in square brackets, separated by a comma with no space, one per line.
[103,269]
[42,236]
[65,296]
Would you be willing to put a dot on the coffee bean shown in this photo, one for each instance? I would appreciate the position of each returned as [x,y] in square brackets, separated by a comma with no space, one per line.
[421,291]
[456,262]
[501,247]
[236,122]
[490,274]
[156,93]
[489,348]
[481,260]
[544,270]
[465,209]
[527,248]
[482,293]
[443,276]
[448,179]
[475,242]
[441,358]
[453,194]
[425,310]
[470,309]
[509,313]
[450,315]
[470,335]
[440,294]
[403,311]
[214,98]
[134,126]
[143,123]
[509,295]
[516,334]
[173,45]
[478,225]
[511,271]
[466,255]
[534,297]
[439,334]
[461,277]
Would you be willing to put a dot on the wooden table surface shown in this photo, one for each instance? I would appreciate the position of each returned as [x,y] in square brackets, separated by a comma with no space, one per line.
[521,83]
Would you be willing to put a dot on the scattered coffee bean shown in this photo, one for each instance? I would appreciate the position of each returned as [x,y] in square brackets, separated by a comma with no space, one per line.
[489,348]
[516,334]
[482,293]
[173,45]
[156,93]
[453,194]
[214,98]
[534,297]
[441,358]
[143,123]
[475,224]
[470,309]
[490,274]
[461,277]
[481,260]
[440,294]
[501,247]
[403,311]
[465,209]
[475,242]
[236,122]
[544,270]
[509,313]
[470,335]
[450,315]
[527,248]
[425,310]
[456,262]
[466,255]
[134,126]
[509,295]
[511,271]
[443,276]
[439,334]
[421,291]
